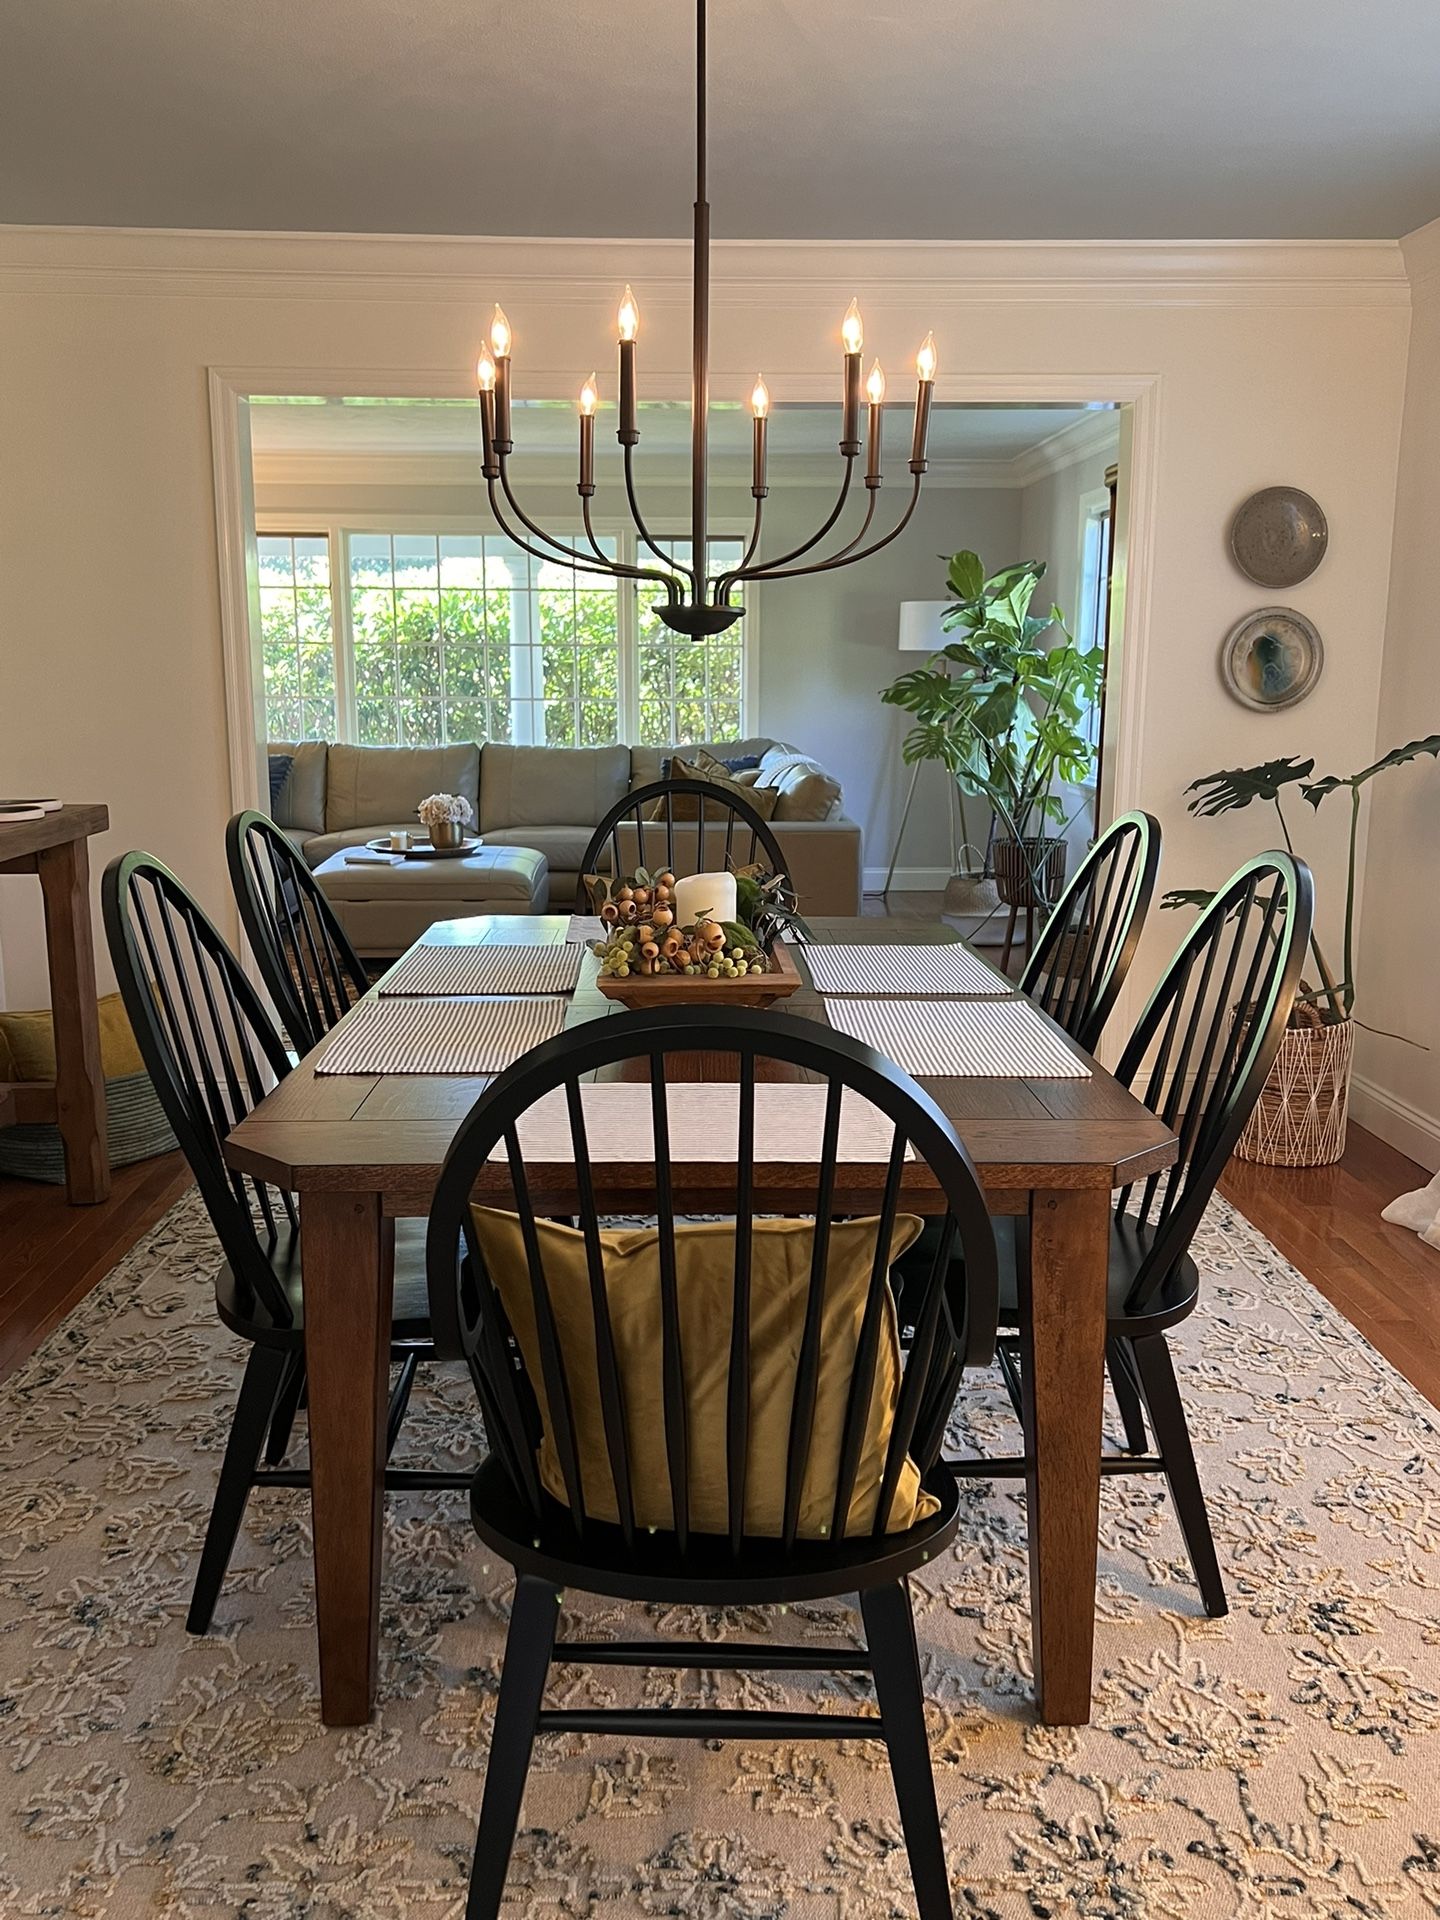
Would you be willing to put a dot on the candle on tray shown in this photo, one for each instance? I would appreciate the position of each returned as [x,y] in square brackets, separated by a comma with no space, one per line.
[709,896]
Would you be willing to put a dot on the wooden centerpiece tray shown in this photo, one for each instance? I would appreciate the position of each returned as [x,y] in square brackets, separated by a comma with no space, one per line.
[693,989]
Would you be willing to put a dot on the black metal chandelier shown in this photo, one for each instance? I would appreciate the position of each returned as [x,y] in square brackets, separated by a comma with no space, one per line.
[696,602]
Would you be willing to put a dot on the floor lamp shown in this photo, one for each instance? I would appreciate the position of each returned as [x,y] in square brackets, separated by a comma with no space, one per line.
[921,632]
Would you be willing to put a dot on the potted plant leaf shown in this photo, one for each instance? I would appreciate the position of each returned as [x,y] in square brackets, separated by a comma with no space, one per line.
[1003,709]
[1301,1117]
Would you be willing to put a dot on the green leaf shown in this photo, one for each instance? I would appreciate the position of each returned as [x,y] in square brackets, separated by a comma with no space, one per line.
[1236,787]
[966,574]
[1397,757]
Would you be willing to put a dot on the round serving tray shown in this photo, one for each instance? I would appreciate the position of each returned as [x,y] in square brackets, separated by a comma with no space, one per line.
[1279,537]
[422,849]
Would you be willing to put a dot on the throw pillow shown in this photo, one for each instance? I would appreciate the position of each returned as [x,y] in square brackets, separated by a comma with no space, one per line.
[705,1271]
[27,1042]
[280,765]
[806,791]
[686,806]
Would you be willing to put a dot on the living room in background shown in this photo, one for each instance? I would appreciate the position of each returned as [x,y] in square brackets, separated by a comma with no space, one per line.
[446,635]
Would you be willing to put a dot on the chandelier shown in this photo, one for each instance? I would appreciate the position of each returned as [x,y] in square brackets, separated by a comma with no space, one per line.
[696,602]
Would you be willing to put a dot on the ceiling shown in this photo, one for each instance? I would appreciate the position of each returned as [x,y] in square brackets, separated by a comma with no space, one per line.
[830,119]
[365,428]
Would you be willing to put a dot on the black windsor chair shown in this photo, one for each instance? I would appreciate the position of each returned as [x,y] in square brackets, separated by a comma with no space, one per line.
[530,1404]
[717,830]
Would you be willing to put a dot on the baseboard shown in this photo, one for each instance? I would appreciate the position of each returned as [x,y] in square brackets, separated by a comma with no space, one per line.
[907,879]
[1396,1122]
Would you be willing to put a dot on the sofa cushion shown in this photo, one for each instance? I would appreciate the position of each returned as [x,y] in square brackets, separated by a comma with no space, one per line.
[301,801]
[805,790]
[377,786]
[646,763]
[563,847]
[686,806]
[549,786]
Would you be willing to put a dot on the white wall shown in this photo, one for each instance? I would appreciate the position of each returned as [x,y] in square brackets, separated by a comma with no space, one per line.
[1257,364]
[826,645]
[1398,1087]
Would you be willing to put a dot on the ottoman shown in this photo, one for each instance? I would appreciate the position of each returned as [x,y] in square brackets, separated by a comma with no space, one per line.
[385,909]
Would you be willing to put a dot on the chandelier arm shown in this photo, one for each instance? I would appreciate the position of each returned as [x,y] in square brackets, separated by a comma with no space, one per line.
[582,561]
[575,557]
[623,570]
[749,553]
[645,533]
[746,572]
[834,559]
[845,557]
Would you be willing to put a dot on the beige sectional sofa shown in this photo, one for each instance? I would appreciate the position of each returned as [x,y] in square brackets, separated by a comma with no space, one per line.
[551,799]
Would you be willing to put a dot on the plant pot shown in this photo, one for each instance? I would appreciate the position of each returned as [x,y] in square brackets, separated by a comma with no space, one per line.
[448,833]
[1030,872]
[1299,1119]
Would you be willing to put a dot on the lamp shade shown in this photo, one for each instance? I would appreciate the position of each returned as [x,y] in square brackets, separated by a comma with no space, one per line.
[920,629]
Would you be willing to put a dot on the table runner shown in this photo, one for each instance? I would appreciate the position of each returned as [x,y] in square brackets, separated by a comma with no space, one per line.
[909,971]
[440,1036]
[703,1124]
[964,1037]
[498,969]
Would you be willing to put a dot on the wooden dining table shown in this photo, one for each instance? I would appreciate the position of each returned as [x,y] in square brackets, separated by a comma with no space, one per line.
[362,1150]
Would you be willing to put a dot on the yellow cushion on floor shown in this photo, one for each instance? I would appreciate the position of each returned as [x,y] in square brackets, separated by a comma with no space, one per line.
[705,1273]
[27,1043]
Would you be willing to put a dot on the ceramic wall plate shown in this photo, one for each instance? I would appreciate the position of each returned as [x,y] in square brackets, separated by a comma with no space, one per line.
[1272,658]
[1279,537]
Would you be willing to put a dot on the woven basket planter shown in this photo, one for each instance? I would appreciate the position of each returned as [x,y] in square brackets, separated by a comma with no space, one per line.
[1029,873]
[137,1127]
[1299,1119]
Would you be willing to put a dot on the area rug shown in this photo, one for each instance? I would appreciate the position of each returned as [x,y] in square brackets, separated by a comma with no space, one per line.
[1282,1764]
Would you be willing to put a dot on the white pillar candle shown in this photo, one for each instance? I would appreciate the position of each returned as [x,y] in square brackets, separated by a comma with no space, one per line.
[709,896]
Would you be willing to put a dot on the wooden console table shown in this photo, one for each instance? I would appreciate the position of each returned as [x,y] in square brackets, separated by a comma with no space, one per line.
[55,849]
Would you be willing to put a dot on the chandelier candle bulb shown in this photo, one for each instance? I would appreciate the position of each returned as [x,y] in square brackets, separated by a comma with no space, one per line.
[589,398]
[926,361]
[501,340]
[485,380]
[760,407]
[705,896]
[875,394]
[628,321]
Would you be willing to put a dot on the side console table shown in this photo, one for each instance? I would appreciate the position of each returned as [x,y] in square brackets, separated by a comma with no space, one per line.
[55,849]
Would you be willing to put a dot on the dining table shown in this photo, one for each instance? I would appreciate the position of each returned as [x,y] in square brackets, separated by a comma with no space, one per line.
[362,1150]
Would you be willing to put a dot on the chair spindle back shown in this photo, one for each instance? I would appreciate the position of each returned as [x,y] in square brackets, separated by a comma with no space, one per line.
[725,831]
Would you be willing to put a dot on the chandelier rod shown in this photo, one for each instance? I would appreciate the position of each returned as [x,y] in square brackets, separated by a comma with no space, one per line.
[700,317]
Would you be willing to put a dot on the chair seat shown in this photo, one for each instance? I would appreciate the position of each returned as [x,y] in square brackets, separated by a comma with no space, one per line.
[655,1569]
[1130,1241]
[410,1315]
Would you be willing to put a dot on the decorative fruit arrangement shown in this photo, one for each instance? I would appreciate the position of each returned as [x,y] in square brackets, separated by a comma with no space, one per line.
[642,936]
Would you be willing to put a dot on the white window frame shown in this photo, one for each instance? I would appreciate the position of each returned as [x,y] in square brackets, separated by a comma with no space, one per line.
[337,527]
[1095,535]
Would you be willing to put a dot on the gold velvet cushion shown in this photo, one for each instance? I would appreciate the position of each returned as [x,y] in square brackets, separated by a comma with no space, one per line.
[686,806]
[705,1274]
[27,1043]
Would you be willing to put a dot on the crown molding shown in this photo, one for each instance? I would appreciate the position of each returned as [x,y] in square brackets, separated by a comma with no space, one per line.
[360,267]
[1421,252]
[1077,440]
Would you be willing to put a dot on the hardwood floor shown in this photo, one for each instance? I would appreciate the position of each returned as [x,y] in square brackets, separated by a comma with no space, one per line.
[1325,1220]
[52,1254]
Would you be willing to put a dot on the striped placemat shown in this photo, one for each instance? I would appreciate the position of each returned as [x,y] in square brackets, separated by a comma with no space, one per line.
[963,1037]
[484,969]
[913,971]
[440,1036]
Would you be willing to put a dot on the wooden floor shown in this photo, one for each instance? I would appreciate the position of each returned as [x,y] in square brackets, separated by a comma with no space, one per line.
[1325,1221]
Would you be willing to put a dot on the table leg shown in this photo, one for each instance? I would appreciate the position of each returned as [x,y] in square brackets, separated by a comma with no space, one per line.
[349,1278]
[64,873]
[1062,1320]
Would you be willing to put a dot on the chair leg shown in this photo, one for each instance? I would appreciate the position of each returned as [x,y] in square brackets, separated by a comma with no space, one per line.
[259,1390]
[895,1659]
[1172,1440]
[1127,1398]
[286,1407]
[1009,945]
[399,1402]
[534,1616]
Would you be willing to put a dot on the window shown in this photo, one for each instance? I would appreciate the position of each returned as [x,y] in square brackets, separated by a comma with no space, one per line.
[464,636]
[297,637]
[1094,586]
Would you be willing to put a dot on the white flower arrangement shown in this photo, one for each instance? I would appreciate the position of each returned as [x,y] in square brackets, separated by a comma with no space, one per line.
[445,810]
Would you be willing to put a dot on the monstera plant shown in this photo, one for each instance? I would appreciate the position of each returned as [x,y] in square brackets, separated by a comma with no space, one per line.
[1003,708]
[1300,1120]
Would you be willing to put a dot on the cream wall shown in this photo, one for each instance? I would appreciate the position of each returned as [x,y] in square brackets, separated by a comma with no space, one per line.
[1397,1089]
[824,646]
[1254,363]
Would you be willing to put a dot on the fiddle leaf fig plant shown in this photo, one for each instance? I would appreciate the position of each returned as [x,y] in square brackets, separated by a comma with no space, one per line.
[1236,787]
[1000,708]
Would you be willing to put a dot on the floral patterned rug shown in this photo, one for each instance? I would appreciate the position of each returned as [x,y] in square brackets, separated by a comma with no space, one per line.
[1282,1764]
